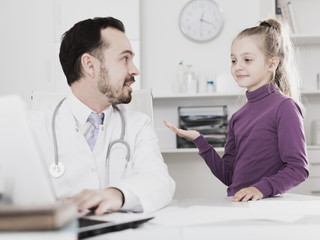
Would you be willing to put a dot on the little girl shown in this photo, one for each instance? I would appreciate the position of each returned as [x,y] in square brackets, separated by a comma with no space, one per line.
[265,152]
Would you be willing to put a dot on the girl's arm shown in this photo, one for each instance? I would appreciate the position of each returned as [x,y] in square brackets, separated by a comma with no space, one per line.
[222,168]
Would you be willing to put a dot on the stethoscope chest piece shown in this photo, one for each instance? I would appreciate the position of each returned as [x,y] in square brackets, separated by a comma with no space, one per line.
[57,169]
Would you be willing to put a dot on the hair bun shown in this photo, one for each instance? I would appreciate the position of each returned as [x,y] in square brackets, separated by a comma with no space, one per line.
[265,24]
[271,23]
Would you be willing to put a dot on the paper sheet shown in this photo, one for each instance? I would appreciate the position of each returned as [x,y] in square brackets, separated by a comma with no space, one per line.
[200,215]
[288,208]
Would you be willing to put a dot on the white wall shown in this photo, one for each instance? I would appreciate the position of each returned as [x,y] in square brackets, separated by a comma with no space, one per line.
[30,39]
[163,45]
[25,46]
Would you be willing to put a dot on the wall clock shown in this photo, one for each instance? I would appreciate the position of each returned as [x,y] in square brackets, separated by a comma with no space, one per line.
[201,20]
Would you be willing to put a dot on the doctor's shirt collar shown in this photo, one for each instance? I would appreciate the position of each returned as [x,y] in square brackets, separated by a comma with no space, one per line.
[81,111]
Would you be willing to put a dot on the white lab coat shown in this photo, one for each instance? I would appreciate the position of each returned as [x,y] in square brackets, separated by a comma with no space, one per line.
[146,176]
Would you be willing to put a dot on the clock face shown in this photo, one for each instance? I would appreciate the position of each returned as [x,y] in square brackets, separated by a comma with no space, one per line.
[201,20]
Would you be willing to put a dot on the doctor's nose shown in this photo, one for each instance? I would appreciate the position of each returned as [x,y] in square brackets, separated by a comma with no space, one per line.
[133,70]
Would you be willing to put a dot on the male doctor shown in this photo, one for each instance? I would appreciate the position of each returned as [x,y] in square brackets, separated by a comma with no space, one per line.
[96,57]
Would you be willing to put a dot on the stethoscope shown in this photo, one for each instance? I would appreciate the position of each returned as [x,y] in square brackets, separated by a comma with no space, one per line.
[57,168]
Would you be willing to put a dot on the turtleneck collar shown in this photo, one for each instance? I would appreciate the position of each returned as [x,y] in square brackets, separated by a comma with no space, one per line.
[261,92]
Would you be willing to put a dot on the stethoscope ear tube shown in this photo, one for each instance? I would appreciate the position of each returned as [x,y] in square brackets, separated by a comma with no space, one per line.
[122,141]
[57,168]
[119,141]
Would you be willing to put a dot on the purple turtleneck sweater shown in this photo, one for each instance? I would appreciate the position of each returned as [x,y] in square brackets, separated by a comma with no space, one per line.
[265,145]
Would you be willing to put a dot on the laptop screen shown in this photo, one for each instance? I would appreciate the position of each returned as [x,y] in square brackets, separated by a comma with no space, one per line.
[25,179]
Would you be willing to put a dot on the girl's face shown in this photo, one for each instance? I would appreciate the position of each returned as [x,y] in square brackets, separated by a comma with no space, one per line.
[249,67]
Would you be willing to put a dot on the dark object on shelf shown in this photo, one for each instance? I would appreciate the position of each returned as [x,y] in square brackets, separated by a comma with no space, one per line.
[210,121]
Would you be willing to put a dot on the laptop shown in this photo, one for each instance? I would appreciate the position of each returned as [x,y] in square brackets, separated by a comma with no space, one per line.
[24,177]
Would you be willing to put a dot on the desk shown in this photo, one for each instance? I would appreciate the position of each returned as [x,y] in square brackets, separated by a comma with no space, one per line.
[208,214]
[306,227]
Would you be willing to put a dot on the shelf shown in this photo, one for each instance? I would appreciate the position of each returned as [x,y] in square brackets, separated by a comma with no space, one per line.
[216,94]
[313,92]
[185,150]
[313,147]
[196,95]
[218,149]
[302,39]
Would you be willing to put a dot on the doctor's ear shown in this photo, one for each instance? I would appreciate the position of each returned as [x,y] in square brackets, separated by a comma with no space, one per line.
[274,62]
[88,64]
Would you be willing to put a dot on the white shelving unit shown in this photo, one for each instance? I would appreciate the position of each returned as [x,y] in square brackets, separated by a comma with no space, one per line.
[304,39]
[199,95]
[309,93]
[174,101]
[185,150]
[215,95]
[218,149]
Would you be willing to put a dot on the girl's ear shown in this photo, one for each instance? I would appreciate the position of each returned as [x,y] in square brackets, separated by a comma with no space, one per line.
[274,62]
[87,63]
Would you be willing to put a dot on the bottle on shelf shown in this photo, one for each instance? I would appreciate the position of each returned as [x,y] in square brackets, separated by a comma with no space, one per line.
[202,83]
[210,87]
[178,84]
[190,80]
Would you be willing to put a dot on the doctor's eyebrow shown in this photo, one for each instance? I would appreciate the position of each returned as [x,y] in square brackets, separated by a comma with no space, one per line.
[127,52]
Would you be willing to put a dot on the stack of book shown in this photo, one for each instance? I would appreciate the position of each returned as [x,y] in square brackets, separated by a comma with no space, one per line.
[210,121]
[38,217]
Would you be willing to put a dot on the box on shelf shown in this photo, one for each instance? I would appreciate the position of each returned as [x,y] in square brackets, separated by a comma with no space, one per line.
[210,121]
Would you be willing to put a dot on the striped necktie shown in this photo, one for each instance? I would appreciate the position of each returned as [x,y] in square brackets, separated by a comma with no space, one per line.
[95,120]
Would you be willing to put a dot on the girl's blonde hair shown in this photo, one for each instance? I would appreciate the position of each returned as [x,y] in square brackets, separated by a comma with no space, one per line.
[277,43]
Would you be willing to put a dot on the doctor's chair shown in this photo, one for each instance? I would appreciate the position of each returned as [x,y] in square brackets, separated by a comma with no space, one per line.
[141,100]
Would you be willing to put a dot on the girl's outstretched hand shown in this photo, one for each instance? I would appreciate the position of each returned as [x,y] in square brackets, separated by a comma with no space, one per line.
[188,134]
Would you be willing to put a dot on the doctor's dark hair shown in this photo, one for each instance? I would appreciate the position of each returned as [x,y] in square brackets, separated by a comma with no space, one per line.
[84,37]
[274,40]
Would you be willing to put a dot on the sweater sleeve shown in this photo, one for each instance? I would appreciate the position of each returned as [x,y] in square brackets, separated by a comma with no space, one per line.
[292,150]
[223,167]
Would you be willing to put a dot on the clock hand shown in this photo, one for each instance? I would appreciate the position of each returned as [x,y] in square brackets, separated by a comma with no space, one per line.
[205,21]
[201,19]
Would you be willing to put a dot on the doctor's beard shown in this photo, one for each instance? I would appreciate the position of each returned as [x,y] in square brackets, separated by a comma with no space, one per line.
[116,96]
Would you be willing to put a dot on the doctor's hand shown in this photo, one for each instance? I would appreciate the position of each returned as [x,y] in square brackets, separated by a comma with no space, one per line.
[109,199]
[188,134]
[246,194]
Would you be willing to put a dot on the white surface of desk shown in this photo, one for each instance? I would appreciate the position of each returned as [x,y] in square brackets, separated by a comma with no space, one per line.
[305,226]
[241,221]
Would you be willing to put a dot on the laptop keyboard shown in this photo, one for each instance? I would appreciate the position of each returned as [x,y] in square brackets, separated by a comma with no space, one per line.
[84,222]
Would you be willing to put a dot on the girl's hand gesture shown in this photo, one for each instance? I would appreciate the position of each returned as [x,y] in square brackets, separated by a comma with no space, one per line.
[188,134]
